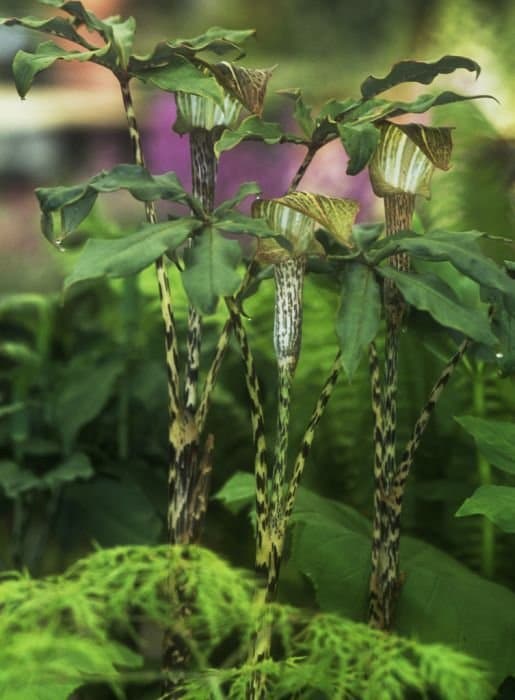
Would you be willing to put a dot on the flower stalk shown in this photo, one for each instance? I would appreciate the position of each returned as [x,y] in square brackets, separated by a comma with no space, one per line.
[401,168]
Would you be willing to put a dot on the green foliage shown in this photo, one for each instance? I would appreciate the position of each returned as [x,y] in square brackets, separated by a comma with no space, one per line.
[330,546]
[210,270]
[252,127]
[497,503]
[494,439]
[64,208]
[359,314]
[108,594]
[418,72]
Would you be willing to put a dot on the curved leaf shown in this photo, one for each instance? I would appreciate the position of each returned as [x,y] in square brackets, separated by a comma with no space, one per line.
[494,439]
[64,208]
[359,314]
[27,65]
[125,256]
[210,271]
[247,85]
[497,503]
[459,248]
[302,111]
[219,40]
[418,72]
[253,128]
[179,75]
[431,294]
[58,26]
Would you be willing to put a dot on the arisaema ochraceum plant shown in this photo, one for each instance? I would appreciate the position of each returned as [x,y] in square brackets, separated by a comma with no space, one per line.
[211,99]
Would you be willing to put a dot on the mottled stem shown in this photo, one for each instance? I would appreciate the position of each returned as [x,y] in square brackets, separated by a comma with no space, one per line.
[384,579]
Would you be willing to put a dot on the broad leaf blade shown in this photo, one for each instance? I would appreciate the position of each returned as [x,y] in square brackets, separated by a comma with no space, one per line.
[418,72]
[210,271]
[497,503]
[427,293]
[27,65]
[125,256]
[359,314]
[248,189]
[494,439]
[179,75]
[302,111]
[219,40]
[236,222]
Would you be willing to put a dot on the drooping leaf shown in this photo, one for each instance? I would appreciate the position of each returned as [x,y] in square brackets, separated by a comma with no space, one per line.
[83,395]
[57,26]
[494,439]
[210,271]
[459,248]
[253,128]
[302,111]
[429,293]
[359,314]
[64,208]
[497,503]
[360,142]
[179,75]
[120,257]
[418,72]
[27,65]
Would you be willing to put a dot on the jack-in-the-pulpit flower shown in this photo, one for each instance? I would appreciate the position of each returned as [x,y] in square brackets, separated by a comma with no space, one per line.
[294,218]
[406,157]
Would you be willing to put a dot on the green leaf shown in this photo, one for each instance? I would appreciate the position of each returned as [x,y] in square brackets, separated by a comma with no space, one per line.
[27,65]
[365,235]
[125,256]
[77,466]
[497,503]
[64,208]
[418,72]
[58,26]
[253,128]
[122,36]
[180,75]
[461,249]
[248,189]
[494,439]
[302,112]
[236,222]
[84,393]
[360,142]
[378,109]
[431,294]
[359,314]
[237,493]
[218,40]
[210,270]
[441,601]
